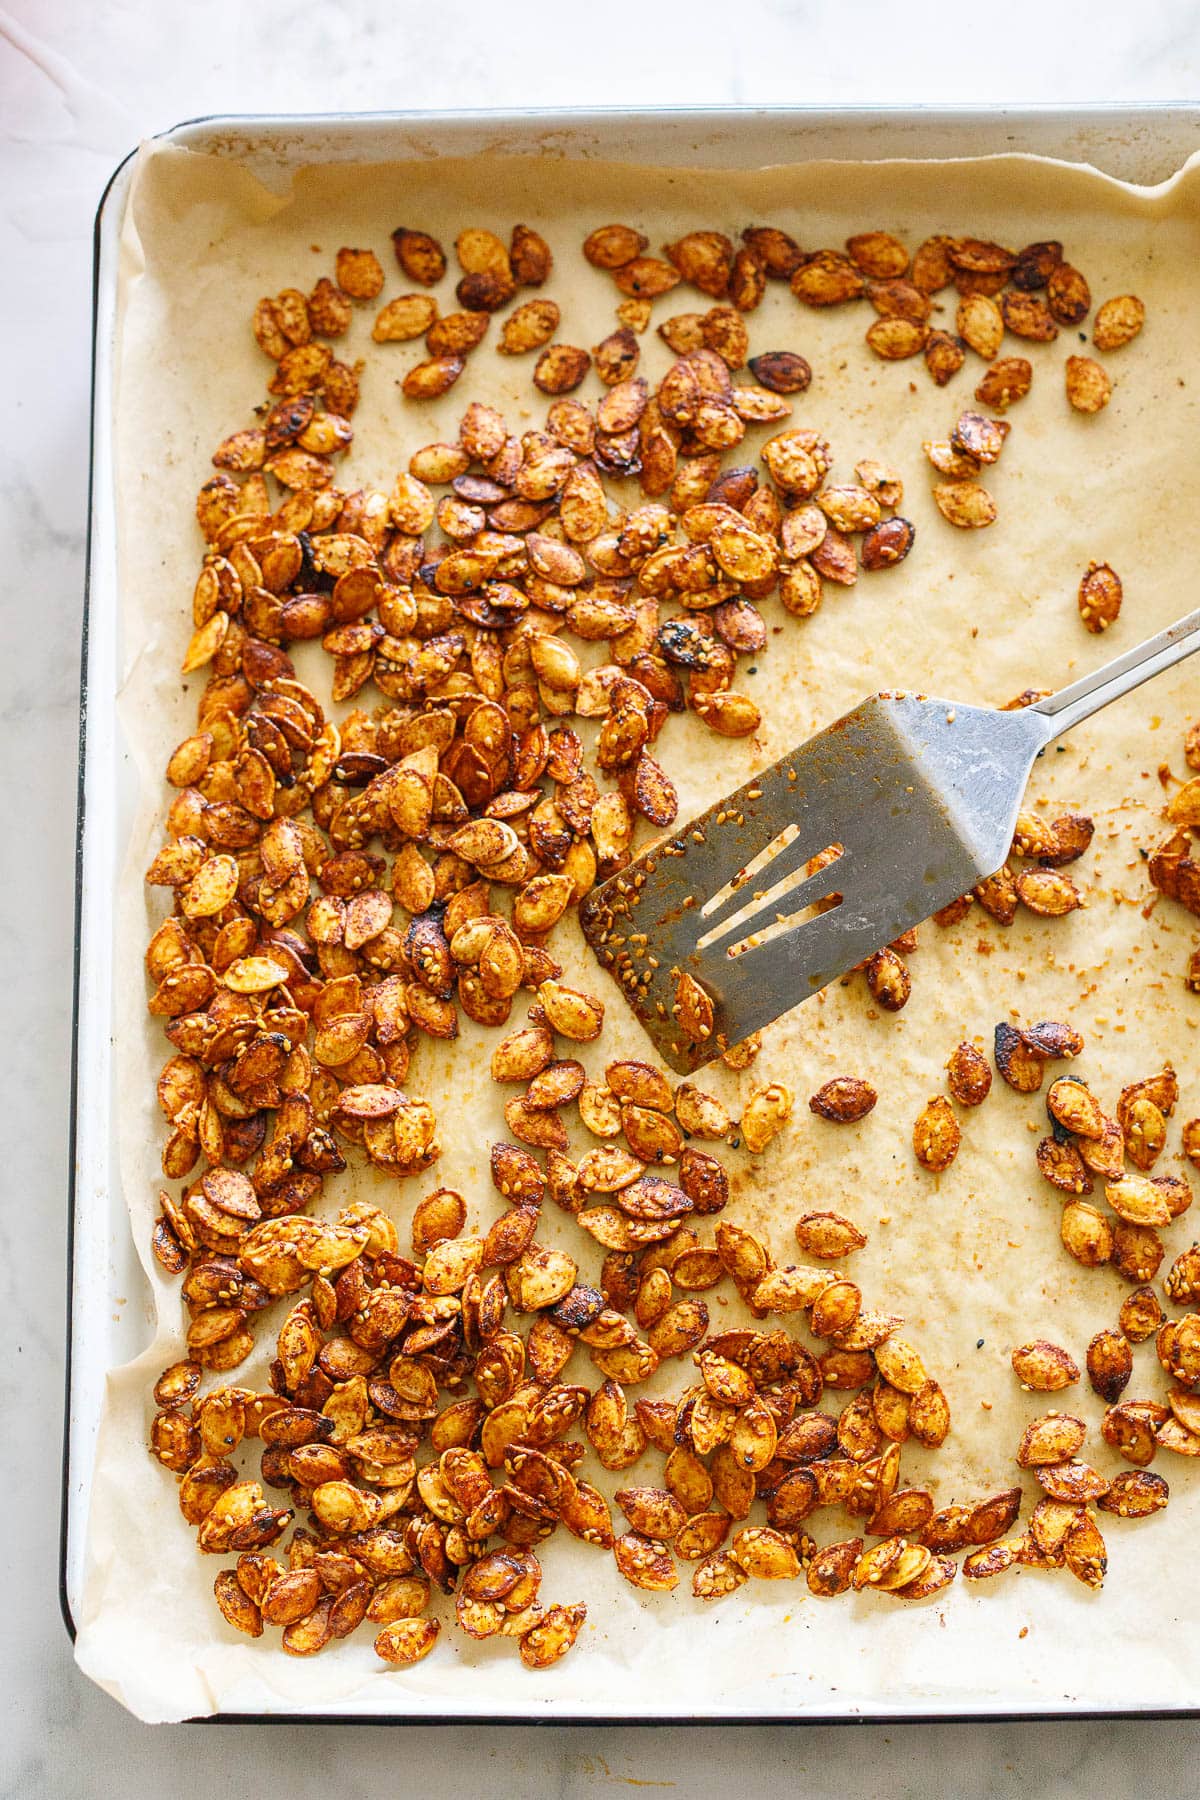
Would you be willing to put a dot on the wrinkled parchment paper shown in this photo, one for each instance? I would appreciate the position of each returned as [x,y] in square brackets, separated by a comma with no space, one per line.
[971,1259]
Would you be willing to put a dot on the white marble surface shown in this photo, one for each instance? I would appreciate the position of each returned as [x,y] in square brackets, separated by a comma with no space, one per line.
[79,83]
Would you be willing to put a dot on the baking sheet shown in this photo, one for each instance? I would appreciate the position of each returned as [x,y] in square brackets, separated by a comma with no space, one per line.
[972,1255]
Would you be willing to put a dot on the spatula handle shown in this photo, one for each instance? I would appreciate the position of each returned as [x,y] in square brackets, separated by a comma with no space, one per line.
[1072,704]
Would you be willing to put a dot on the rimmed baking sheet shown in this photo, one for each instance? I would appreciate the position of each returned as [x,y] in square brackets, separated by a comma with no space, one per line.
[224,207]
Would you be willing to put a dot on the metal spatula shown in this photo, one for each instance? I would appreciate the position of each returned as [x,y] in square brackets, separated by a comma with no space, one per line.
[831,853]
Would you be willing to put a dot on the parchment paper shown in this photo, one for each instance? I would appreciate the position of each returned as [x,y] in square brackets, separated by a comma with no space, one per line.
[972,1259]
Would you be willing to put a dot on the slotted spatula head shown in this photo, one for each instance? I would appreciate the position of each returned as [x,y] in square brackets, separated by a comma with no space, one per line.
[816,863]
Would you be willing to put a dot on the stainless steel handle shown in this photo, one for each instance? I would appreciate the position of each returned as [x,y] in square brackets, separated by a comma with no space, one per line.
[1086,696]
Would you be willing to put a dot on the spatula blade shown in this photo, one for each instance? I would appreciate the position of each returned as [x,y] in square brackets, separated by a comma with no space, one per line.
[896,809]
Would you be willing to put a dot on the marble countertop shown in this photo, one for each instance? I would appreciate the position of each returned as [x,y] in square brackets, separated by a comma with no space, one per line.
[79,84]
